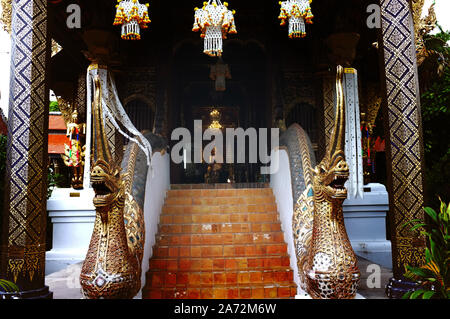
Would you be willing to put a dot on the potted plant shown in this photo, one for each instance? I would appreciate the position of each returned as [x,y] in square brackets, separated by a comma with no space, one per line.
[434,276]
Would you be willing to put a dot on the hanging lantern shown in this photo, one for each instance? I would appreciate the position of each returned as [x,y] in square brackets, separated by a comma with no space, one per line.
[133,17]
[298,13]
[214,21]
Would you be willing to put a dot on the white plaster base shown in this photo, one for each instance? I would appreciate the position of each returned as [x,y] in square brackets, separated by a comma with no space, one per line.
[280,182]
[158,183]
[365,221]
[73,221]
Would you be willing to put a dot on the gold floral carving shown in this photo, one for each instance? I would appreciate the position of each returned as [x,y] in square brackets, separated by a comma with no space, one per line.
[422,26]
[15,267]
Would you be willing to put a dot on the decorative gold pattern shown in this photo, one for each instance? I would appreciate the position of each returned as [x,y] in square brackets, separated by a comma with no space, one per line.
[112,268]
[422,27]
[325,258]
[303,217]
[405,145]
[331,268]
[373,107]
[26,169]
[15,267]
[328,107]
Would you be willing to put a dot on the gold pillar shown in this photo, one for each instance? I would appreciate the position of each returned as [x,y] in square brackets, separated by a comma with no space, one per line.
[23,236]
[404,149]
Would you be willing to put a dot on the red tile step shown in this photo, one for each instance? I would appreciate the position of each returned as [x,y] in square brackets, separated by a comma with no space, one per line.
[219,244]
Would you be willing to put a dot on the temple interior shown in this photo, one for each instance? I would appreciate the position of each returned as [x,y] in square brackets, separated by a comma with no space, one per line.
[165,81]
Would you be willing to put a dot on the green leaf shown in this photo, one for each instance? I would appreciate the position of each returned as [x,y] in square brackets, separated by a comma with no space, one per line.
[407,295]
[419,272]
[430,212]
[428,255]
[417,293]
[8,286]
[428,294]
[417,226]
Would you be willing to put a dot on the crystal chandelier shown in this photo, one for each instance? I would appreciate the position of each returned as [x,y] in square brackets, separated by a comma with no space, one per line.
[133,17]
[297,12]
[214,21]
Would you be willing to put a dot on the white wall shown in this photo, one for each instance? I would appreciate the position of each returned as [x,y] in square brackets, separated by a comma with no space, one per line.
[282,189]
[5,61]
[158,182]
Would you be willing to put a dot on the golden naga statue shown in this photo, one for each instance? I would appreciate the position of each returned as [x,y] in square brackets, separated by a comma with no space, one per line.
[326,261]
[74,153]
[112,268]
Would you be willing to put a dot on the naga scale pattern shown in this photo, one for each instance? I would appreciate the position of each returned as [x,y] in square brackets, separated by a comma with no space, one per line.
[112,268]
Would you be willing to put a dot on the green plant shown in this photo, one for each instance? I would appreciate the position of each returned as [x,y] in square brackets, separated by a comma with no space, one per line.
[434,276]
[53,181]
[435,105]
[8,286]
[54,107]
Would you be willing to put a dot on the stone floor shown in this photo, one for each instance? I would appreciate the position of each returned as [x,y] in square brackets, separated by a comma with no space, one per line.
[65,283]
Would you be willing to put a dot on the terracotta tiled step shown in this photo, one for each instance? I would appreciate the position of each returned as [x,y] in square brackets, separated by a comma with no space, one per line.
[219,263]
[219,192]
[216,218]
[196,251]
[168,279]
[219,243]
[250,292]
[225,209]
[219,228]
[217,201]
[215,239]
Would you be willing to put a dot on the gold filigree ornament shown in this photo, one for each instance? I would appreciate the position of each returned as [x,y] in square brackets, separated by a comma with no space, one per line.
[112,268]
[15,267]
[215,22]
[327,263]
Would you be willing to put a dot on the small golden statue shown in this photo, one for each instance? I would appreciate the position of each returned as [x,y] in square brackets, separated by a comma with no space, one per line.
[75,152]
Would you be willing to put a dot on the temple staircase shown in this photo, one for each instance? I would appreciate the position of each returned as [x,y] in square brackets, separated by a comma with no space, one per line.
[216,242]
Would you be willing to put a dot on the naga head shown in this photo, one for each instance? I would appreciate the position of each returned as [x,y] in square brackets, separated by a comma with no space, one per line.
[105,174]
[333,172]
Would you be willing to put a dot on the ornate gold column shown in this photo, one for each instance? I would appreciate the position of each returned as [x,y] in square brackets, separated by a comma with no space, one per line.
[404,149]
[329,97]
[22,257]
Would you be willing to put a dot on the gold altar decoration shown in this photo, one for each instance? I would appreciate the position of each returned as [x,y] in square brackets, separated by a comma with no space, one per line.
[422,27]
[133,17]
[215,120]
[297,13]
[214,21]
[74,153]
